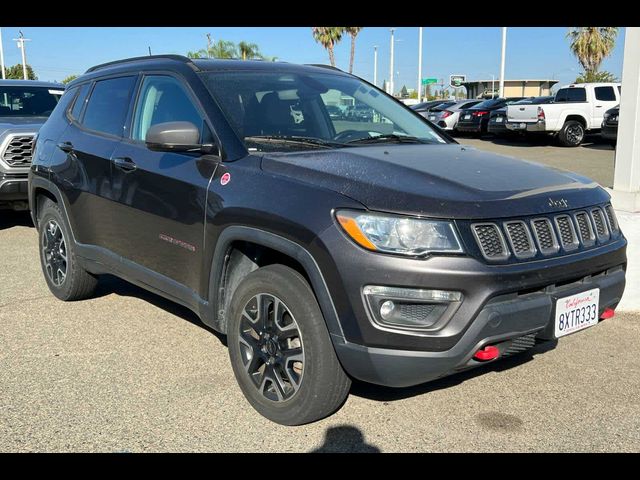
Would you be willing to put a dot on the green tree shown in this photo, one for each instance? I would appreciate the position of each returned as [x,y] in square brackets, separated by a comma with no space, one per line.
[69,79]
[328,37]
[403,92]
[248,50]
[353,33]
[591,45]
[596,77]
[15,72]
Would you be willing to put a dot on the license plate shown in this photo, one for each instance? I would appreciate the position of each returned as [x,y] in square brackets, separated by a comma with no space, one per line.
[517,126]
[432,118]
[576,312]
[467,117]
[498,119]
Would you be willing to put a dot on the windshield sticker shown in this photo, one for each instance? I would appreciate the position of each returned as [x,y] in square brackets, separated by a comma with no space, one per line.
[56,92]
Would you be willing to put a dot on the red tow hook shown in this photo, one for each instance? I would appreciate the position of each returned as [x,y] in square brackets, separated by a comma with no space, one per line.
[608,313]
[487,353]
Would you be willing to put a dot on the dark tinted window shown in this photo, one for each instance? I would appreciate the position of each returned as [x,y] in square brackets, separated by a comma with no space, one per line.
[162,99]
[79,102]
[473,103]
[571,95]
[490,103]
[606,94]
[108,105]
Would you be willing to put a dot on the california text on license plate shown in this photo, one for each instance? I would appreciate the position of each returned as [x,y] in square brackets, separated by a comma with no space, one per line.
[576,312]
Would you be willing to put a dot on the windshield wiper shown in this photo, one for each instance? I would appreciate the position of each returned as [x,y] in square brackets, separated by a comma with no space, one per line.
[390,137]
[295,139]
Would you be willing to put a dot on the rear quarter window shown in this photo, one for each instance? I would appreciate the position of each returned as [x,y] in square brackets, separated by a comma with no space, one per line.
[571,95]
[605,94]
[79,102]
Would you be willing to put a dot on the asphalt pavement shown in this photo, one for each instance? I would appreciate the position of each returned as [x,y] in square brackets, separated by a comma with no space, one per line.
[128,371]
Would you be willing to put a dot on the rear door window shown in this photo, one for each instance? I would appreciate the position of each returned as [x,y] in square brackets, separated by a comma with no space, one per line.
[571,95]
[108,105]
[605,94]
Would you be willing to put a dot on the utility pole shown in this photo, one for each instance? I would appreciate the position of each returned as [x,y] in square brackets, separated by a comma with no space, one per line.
[2,56]
[208,45]
[21,41]
[375,65]
[420,65]
[391,65]
[504,49]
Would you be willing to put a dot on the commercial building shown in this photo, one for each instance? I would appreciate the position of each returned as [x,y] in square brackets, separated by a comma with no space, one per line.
[512,88]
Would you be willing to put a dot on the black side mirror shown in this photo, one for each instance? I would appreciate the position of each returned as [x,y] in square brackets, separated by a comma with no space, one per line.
[177,137]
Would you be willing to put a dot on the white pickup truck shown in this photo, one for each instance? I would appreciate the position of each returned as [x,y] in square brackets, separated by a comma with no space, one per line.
[576,109]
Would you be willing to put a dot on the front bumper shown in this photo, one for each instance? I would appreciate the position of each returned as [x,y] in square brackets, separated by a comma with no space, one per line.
[504,322]
[537,127]
[13,187]
[609,132]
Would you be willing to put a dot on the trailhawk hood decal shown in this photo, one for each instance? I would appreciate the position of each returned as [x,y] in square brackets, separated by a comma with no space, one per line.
[451,181]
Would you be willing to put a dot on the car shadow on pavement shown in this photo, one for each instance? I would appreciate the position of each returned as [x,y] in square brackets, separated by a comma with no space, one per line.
[110,284]
[345,439]
[11,218]
[388,394]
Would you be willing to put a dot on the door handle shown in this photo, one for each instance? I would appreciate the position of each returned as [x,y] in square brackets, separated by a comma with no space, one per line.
[125,164]
[598,106]
[66,147]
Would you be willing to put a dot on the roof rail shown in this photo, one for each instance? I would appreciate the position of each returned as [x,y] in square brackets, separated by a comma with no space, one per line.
[322,65]
[179,58]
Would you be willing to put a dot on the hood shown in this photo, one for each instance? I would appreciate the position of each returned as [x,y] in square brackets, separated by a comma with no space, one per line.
[448,181]
[20,124]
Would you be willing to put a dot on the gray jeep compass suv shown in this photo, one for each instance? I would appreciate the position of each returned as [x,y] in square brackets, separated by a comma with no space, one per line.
[325,248]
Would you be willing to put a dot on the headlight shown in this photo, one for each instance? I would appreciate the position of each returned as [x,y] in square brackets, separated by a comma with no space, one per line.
[398,234]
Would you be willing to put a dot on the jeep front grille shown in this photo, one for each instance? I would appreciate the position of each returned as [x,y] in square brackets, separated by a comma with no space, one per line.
[520,239]
[491,241]
[543,236]
[18,150]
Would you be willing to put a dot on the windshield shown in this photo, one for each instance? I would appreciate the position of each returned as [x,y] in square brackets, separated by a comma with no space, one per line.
[272,111]
[26,101]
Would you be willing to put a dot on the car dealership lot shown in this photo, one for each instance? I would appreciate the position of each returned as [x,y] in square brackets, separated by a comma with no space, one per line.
[129,371]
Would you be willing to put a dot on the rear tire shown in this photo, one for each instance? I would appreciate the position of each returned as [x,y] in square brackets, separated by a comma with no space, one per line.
[283,358]
[571,134]
[66,279]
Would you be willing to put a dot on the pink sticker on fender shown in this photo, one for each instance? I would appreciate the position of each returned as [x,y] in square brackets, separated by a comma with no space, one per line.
[225,178]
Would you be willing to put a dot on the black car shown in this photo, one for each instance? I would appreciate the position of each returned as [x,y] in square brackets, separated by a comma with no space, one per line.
[610,125]
[498,118]
[425,107]
[476,119]
[335,113]
[24,107]
[389,254]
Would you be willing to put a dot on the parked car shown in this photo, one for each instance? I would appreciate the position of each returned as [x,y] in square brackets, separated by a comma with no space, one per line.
[447,117]
[610,124]
[425,107]
[498,118]
[476,119]
[360,113]
[24,106]
[394,258]
[335,113]
[575,110]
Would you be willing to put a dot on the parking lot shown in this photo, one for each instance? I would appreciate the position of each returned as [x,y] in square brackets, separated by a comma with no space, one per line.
[129,371]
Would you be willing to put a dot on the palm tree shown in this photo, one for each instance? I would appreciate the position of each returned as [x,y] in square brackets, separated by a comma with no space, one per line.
[220,49]
[328,37]
[249,50]
[591,45]
[353,32]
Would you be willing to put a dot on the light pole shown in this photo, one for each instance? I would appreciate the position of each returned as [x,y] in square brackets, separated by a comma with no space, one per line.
[420,65]
[2,56]
[21,41]
[504,49]
[375,65]
[391,65]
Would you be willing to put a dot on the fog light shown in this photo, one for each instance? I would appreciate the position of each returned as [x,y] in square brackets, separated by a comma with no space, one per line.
[409,308]
[386,309]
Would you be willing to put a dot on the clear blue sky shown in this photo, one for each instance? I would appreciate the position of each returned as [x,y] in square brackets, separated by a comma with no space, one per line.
[56,52]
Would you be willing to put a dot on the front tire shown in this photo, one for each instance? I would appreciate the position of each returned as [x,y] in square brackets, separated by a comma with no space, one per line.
[571,134]
[280,349]
[66,279]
